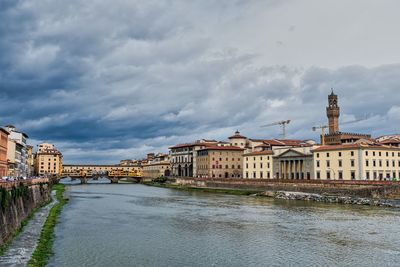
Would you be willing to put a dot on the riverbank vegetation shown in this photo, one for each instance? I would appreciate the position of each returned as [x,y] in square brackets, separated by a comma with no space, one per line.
[44,249]
[6,197]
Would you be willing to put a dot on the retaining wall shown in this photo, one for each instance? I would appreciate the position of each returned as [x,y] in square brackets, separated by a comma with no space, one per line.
[21,200]
[367,189]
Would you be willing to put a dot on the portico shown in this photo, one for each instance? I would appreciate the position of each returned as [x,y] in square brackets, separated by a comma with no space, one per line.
[293,164]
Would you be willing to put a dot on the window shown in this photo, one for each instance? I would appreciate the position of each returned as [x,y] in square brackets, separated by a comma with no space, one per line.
[261,175]
[353,175]
[247,159]
[374,163]
[254,165]
[317,155]
[373,153]
[352,153]
[247,174]
[268,165]
[328,163]
[327,155]
[366,153]
[317,163]
[340,154]
[387,154]
[340,175]
[328,175]
[367,175]
[233,166]
[247,165]
[352,163]
[318,175]
[367,163]
[340,163]
[254,174]
[238,167]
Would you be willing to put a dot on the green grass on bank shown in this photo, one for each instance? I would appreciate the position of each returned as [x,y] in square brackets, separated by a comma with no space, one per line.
[230,191]
[44,249]
[24,223]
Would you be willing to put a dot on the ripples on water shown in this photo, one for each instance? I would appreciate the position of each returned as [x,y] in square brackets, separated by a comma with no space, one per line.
[135,225]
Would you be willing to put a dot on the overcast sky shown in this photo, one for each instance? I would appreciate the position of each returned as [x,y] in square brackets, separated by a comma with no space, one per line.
[109,80]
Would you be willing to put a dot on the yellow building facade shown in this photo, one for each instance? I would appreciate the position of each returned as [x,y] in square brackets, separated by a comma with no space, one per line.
[80,170]
[258,165]
[157,166]
[357,162]
[48,160]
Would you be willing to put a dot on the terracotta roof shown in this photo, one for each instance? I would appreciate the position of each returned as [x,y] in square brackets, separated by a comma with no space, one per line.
[352,146]
[281,142]
[182,145]
[393,140]
[263,145]
[223,148]
[256,153]
[4,131]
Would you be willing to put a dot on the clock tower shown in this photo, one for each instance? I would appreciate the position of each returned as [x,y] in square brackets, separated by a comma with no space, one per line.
[333,113]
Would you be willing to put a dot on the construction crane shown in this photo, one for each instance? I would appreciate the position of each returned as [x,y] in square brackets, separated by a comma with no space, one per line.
[282,124]
[323,127]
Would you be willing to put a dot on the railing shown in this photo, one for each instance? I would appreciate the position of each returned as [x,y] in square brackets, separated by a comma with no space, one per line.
[28,182]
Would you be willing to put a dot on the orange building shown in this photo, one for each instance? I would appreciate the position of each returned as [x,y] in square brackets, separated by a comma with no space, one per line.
[3,151]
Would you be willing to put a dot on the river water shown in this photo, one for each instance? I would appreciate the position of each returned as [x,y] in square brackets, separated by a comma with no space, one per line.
[137,225]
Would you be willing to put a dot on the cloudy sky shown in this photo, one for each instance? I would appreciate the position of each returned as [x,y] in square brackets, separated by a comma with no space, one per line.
[107,80]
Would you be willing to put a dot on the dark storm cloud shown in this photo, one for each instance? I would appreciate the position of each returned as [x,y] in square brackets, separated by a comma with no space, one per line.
[105,82]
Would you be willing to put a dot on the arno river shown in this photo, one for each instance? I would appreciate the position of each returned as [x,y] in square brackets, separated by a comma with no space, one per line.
[136,225]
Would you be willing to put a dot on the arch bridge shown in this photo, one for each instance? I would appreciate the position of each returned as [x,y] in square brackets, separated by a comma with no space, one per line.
[114,176]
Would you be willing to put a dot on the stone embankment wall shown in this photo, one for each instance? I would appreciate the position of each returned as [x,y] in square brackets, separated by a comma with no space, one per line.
[17,202]
[362,189]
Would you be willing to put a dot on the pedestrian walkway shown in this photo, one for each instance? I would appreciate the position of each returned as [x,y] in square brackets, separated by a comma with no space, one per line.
[22,247]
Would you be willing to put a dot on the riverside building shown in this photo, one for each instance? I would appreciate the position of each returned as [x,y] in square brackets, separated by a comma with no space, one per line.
[183,157]
[48,160]
[17,153]
[3,152]
[359,161]
[258,164]
[157,166]
[220,162]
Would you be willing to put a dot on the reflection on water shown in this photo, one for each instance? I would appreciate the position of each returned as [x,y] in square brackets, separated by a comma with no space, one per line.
[70,181]
[135,225]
